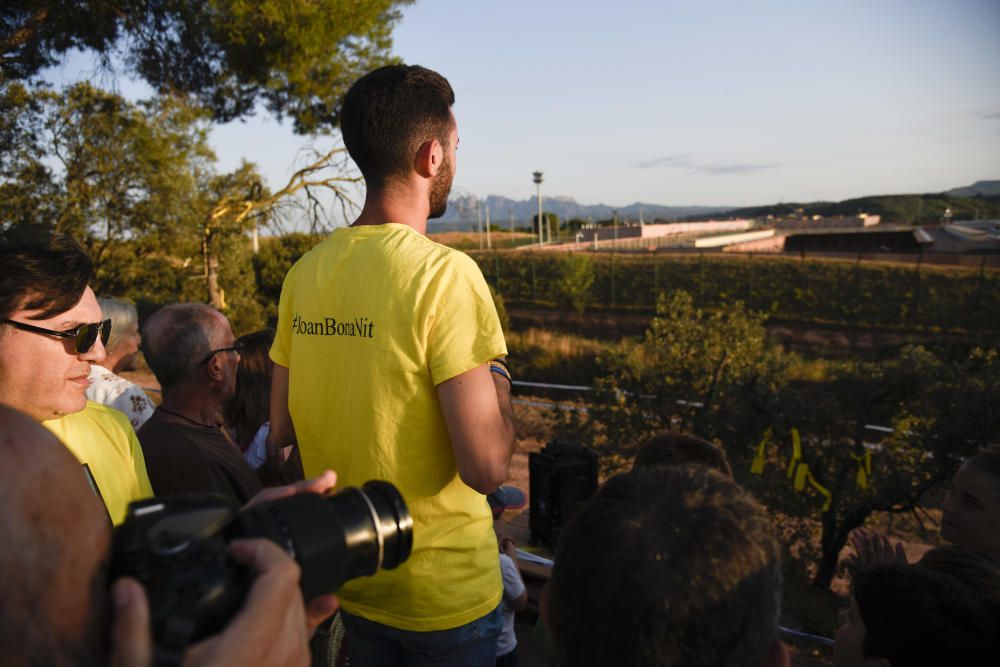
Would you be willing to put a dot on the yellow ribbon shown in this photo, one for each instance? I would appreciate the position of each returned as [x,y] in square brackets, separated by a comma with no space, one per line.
[864,468]
[757,467]
[822,490]
[796,452]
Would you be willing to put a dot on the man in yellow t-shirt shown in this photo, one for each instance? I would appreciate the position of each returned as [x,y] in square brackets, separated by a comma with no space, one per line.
[51,331]
[389,365]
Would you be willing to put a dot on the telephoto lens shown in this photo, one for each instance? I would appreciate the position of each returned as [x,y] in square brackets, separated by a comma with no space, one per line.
[176,547]
[374,530]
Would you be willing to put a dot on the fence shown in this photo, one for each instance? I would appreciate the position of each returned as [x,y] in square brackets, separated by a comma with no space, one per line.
[916,295]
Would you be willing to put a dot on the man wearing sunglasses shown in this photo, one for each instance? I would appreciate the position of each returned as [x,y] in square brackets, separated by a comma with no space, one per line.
[51,331]
[191,349]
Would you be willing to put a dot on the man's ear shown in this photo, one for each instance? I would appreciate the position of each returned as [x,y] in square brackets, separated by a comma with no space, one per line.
[777,655]
[214,368]
[430,158]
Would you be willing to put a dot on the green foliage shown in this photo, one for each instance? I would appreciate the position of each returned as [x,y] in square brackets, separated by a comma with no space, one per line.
[297,58]
[277,255]
[857,293]
[909,209]
[501,307]
[691,370]
[574,279]
[712,373]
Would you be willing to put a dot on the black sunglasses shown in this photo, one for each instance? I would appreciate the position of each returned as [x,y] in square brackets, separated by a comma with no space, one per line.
[236,347]
[84,336]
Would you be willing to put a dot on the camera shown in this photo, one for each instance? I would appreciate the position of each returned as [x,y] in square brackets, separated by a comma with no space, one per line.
[176,547]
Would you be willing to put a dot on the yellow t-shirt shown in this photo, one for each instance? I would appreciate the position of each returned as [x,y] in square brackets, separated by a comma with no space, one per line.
[370,322]
[102,438]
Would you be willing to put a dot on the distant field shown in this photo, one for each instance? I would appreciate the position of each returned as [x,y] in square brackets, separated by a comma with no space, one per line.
[471,240]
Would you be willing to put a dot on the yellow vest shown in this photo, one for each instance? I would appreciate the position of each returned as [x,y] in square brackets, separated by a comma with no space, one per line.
[370,322]
[102,438]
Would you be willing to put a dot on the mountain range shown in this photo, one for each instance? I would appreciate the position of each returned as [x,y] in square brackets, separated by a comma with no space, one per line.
[462,211]
[462,214]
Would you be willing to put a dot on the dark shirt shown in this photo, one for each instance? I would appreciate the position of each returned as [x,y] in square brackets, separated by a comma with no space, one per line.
[184,458]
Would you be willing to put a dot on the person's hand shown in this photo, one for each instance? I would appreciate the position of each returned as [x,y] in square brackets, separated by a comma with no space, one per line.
[874,548]
[508,546]
[274,626]
[131,639]
[320,484]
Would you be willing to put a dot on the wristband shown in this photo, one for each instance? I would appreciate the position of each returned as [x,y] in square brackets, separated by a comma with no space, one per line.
[502,362]
[501,371]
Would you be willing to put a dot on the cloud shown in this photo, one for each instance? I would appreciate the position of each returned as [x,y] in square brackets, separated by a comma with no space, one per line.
[686,162]
[987,113]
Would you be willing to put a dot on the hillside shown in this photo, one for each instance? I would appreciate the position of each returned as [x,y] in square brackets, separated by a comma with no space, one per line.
[900,209]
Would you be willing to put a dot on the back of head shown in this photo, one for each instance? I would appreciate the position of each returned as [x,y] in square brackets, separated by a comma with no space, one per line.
[175,340]
[54,536]
[667,566]
[388,113]
[123,318]
[988,461]
[977,572]
[249,407]
[917,616]
[48,273]
[672,449]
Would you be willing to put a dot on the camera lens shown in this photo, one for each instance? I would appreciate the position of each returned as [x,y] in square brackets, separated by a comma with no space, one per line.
[351,534]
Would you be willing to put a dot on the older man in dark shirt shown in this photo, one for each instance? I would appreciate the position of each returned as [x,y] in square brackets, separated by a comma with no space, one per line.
[191,349]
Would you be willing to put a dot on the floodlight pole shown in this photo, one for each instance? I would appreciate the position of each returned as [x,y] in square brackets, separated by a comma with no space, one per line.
[538,185]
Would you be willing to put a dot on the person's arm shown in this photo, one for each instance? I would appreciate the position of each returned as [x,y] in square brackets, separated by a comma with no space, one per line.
[282,430]
[480,421]
[519,601]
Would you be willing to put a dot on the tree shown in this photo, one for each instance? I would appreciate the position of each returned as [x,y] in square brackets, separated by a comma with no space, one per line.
[91,164]
[574,277]
[106,170]
[714,375]
[939,411]
[691,370]
[296,58]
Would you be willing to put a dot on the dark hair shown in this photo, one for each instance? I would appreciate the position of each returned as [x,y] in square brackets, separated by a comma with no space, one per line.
[388,113]
[175,339]
[988,461]
[978,572]
[918,616]
[249,407]
[48,273]
[671,449]
[667,566]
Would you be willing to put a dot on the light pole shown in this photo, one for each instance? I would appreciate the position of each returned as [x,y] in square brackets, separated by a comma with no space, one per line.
[538,185]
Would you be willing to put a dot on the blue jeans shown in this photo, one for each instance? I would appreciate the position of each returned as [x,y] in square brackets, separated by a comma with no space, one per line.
[474,644]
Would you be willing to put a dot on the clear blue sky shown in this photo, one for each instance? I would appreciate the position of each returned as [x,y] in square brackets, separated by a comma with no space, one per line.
[714,102]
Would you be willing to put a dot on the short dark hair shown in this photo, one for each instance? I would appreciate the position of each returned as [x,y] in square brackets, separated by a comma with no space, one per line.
[388,113]
[671,449]
[988,461]
[48,272]
[919,616]
[667,566]
[175,339]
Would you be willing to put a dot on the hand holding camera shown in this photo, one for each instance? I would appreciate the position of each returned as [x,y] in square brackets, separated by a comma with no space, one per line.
[183,550]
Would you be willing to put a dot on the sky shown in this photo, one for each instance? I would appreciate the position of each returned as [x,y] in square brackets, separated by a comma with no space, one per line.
[719,102]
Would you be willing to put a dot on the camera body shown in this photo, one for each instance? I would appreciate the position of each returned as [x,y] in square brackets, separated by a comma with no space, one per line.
[176,546]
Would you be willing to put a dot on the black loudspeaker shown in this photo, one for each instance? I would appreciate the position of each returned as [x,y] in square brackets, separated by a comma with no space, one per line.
[561,477]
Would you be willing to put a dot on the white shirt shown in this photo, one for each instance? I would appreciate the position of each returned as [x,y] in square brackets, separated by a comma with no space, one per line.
[118,393]
[513,586]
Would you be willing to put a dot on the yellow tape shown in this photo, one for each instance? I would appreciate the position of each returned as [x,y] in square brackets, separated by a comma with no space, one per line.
[864,468]
[796,452]
[825,493]
[757,467]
